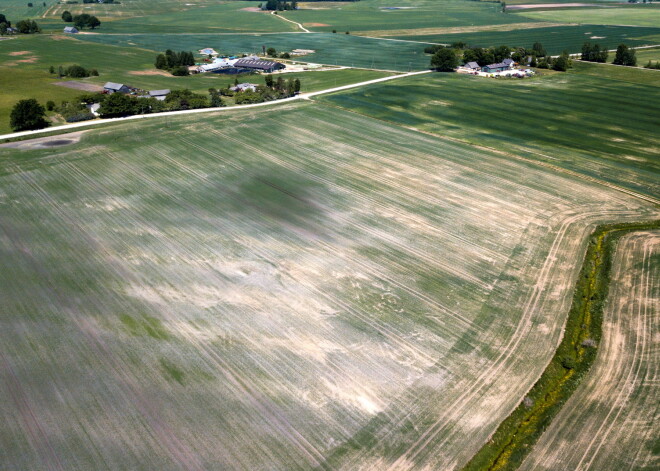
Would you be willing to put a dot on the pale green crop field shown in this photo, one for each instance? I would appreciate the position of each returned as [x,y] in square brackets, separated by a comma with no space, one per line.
[377,15]
[644,15]
[646,55]
[298,288]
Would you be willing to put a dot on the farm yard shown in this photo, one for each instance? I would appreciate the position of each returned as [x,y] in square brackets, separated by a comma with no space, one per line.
[610,422]
[214,288]
[378,278]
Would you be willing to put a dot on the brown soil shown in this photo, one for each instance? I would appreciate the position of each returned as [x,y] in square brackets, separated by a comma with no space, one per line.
[150,72]
[88,87]
[46,142]
[19,53]
[314,24]
[251,9]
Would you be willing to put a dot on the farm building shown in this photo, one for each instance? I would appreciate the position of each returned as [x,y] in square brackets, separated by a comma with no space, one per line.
[259,65]
[509,62]
[70,29]
[112,87]
[159,94]
[499,67]
[241,87]
[472,66]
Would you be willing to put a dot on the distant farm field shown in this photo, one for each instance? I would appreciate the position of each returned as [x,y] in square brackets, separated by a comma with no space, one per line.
[333,49]
[644,15]
[236,290]
[563,119]
[610,421]
[24,64]
[377,15]
[555,39]
[645,55]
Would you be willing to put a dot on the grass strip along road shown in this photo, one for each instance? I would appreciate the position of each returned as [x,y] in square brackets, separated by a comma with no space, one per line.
[516,436]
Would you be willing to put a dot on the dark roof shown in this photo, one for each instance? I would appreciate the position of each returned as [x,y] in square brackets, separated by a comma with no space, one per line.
[497,66]
[258,64]
[507,61]
[472,65]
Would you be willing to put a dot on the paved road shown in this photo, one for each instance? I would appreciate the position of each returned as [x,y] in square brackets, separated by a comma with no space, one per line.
[302,96]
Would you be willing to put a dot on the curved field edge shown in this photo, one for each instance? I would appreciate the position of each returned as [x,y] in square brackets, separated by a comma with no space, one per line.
[610,421]
[516,436]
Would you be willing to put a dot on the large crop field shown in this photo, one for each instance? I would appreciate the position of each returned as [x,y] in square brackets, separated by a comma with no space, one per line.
[377,15]
[240,291]
[643,15]
[610,422]
[555,39]
[564,120]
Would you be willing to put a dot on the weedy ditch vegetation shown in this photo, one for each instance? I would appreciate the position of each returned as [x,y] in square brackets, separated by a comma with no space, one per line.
[518,433]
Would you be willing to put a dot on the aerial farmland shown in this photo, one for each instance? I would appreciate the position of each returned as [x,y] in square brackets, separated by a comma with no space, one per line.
[391,268]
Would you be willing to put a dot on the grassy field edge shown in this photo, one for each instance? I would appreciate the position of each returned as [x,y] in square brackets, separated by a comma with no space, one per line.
[515,437]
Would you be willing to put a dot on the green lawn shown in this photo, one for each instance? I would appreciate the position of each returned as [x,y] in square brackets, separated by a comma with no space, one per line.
[645,55]
[556,38]
[596,119]
[642,15]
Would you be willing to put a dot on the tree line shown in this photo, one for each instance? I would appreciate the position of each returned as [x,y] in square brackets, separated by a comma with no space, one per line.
[279,5]
[175,62]
[81,21]
[29,114]
[22,26]
[447,58]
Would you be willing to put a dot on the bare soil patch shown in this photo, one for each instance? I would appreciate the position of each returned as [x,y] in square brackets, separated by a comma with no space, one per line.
[88,87]
[255,9]
[61,37]
[315,24]
[149,72]
[45,142]
[19,53]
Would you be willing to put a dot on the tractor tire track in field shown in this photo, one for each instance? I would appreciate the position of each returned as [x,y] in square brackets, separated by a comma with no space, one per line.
[609,421]
[167,219]
[173,446]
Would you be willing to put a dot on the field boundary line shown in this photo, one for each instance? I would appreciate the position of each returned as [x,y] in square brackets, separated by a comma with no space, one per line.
[303,96]
[571,362]
[572,173]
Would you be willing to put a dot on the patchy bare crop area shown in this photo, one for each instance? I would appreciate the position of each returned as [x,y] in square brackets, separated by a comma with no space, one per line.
[237,291]
[610,422]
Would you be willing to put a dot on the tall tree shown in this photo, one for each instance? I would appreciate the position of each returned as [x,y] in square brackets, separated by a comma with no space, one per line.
[67,17]
[625,56]
[445,60]
[28,115]
[538,49]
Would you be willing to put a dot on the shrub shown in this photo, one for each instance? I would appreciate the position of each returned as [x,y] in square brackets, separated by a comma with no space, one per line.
[50,105]
[80,117]
[180,71]
[568,362]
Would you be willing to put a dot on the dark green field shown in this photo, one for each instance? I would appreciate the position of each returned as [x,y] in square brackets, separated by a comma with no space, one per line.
[600,120]
[555,39]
